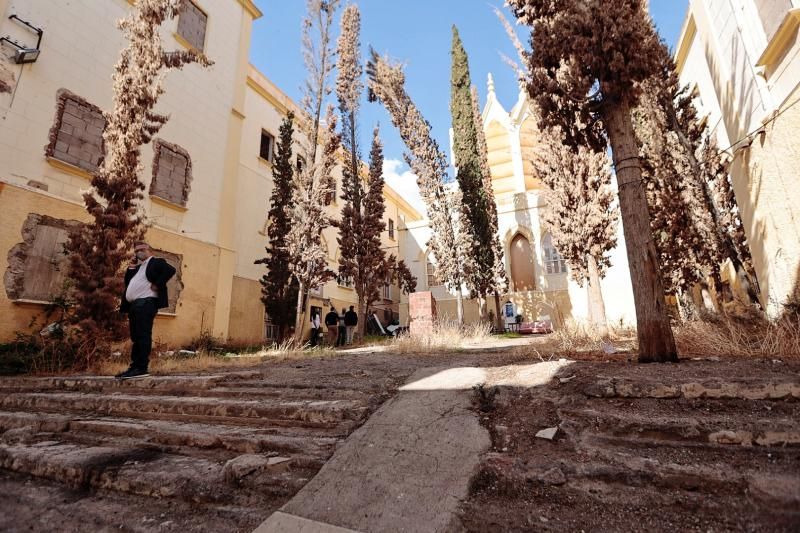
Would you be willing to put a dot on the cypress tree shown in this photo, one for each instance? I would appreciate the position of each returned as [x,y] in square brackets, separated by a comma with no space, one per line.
[587,59]
[278,287]
[480,277]
[500,279]
[428,162]
[313,183]
[580,214]
[695,220]
[362,257]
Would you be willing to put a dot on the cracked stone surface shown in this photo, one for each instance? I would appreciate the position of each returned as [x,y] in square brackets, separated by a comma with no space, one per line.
[698,446]
[408,467]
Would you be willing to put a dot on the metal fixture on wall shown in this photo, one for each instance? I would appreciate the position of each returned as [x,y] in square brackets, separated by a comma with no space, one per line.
[24,54]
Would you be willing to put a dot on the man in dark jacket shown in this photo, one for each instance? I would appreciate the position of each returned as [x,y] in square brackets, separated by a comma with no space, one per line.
[332,323]
[145,293]
[350,322]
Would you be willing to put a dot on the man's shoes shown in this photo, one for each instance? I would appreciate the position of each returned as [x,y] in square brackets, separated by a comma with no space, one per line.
[132,373]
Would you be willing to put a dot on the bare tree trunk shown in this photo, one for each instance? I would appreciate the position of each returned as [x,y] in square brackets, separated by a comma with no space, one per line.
[482,309]
[597,307]
[498,317]
[362,319]
[686,306]
[656,343]
[301,315]
[460,306]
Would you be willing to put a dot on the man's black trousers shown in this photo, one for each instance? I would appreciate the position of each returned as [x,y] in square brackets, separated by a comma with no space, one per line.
[342,338]
[140,319]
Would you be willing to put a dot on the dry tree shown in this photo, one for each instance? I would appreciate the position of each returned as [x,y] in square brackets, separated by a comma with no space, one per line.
[98,249]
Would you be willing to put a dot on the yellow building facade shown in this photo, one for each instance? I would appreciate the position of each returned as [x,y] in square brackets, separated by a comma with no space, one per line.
[742,58]
[208,186]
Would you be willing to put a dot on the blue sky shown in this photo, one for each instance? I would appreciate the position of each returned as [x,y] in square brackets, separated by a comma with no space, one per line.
[417,32]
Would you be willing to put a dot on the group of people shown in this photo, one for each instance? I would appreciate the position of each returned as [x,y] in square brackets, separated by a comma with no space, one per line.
[341,327]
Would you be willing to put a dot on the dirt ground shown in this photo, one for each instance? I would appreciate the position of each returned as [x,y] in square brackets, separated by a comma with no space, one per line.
[709,445]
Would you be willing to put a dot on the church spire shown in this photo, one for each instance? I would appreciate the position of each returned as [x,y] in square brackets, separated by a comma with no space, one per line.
[490,85]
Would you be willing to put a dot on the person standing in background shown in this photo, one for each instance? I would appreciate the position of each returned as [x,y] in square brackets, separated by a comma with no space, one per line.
[350,323]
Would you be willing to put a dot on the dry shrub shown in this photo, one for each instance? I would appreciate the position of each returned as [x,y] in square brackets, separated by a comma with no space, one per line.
[444,336]
[204,359]
[198,362]
[736,337]
[576,336]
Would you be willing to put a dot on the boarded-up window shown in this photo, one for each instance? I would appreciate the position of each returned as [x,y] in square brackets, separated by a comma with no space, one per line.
[772,13]
[77,133]
[37,266]
[192,24]
[172,173]
[175,285]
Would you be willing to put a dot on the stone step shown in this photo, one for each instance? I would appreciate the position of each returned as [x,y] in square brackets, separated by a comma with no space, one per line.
[34,505]
[269,381]
[147,472]
[743,389]
[700,427]
[210,386]
[307,413]
[611,494]
[238,439]
[616,471]
[108,383]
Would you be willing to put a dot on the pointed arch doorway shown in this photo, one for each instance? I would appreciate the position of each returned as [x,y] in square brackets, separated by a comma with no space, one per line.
[523,276]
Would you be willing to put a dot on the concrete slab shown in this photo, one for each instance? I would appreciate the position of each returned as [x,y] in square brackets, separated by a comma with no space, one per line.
[407,468]
[287,523]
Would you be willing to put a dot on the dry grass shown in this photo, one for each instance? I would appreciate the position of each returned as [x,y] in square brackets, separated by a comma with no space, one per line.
[443,337]
[576,337]
[172,365]
[204,360]
[739,338]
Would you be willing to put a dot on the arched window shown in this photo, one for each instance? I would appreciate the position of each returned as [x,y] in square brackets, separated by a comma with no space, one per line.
[433,278]
[553,262]
[522,271]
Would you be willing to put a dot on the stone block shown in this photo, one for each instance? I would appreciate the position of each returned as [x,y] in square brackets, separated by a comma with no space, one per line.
[422,311]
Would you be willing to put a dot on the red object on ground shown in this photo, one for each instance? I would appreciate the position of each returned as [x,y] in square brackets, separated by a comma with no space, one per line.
[539,326]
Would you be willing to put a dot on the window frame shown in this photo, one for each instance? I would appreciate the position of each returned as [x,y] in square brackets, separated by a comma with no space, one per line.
[386,291]
[554,264]
[432,275]
[271,150]
[330,198]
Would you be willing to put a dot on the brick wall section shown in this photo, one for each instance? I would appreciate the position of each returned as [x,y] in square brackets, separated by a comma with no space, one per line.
[172,173]
[77,133]
[192,24]
[422,312]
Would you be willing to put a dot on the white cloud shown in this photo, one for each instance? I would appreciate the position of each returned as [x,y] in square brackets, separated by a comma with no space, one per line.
[404,182]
